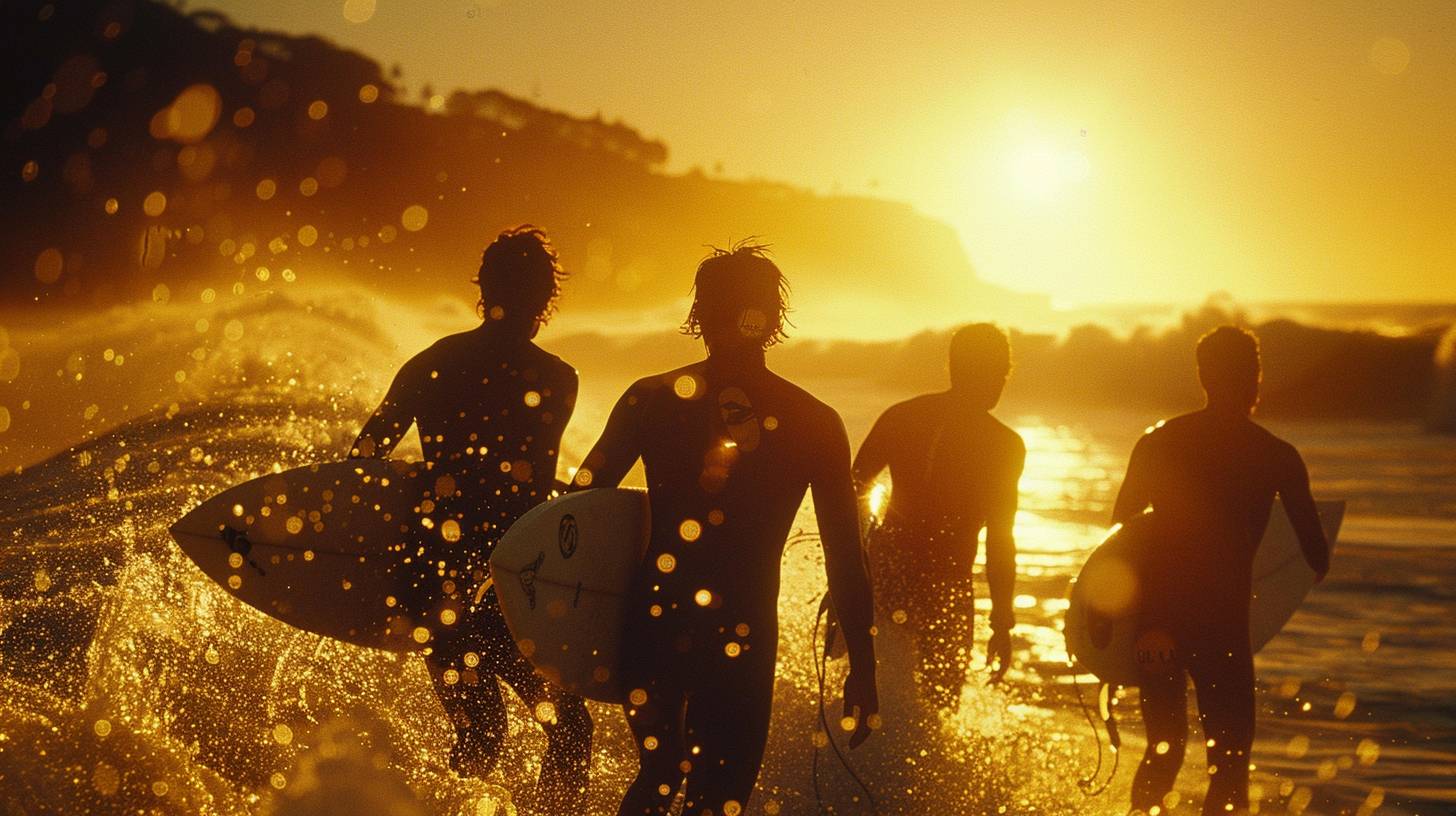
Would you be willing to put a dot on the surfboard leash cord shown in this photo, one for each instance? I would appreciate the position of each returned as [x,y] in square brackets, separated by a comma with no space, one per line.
[1087,784]
[821,662]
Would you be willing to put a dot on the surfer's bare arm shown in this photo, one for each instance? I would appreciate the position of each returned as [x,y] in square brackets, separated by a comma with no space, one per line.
[390,421]
[1303,515]
[1134,496]
[618,448]
[559,400]
[849,582]
[1001,558]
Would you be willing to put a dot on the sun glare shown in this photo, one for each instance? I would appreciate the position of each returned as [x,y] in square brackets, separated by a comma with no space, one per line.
[1040,169]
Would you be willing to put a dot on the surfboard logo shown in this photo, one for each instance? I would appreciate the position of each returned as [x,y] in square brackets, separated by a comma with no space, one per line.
[1155,647]
[567,536]
[527,577]
[237,541]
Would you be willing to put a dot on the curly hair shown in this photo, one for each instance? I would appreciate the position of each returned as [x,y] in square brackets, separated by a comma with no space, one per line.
[1228,357]
[729,280]
[520,272]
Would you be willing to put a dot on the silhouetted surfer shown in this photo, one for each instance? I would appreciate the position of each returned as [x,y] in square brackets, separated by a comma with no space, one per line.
[1211,477]
[729,449]
[491,407]
[955,470]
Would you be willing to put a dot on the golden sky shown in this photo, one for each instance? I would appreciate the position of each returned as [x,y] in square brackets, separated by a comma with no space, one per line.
[1158,152]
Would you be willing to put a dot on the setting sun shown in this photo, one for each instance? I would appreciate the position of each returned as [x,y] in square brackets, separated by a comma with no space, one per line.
[1040,169]
[560,408]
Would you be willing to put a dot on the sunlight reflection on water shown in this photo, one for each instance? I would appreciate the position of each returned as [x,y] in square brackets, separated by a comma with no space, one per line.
[102,620]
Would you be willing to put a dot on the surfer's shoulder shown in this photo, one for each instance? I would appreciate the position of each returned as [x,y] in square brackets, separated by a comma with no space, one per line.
[907,411]
[445,348]
[789,400]
[684,380]
[797,398]
[551,365]
[1172,426]
[820,415]
[1006,435]
[430,357]
[922,404]
[1280,449]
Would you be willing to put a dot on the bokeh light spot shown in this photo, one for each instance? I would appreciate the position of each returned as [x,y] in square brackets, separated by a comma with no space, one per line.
[414,218]
[1390,56]
[48,265]
[689,530]
[358,11]
[191,116]
[155,203]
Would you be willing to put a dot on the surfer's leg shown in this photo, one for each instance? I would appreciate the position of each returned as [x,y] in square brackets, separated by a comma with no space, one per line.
[1163,690]
[473,703]
[564,718]
[657,731]
[1224,680]
[726,731]
[946,645]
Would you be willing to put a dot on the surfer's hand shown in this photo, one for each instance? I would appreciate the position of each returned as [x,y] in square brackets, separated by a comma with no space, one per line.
[998,654]
[862,703]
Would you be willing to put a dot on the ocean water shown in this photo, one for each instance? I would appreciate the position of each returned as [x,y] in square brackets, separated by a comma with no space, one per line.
[131,683]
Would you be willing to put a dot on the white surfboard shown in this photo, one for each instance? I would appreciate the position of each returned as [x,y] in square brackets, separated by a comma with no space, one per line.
[316,547]
[562,573]
[1101,619]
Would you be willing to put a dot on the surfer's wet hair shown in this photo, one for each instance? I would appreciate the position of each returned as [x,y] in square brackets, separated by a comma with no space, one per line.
[520,273]
[1228,360]
[730,281]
